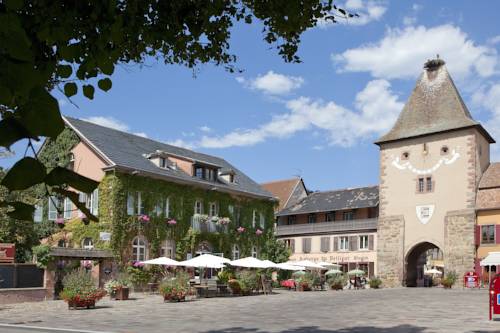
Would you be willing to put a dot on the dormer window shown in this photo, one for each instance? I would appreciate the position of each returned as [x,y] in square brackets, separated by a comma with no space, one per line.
[198,172]
[163,162]
[205,172]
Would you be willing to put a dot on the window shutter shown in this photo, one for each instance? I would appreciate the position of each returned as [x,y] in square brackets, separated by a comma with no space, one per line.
[478,235]
[371,269]
[306,245]
[292,245]
[353,243]
[325,244]
[497,233]
[335,243]
[371,244]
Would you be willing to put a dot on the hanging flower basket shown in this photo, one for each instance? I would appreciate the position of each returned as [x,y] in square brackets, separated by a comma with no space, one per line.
[259,232]
[171,222]
[214,219]
[60,222]
[143,218]
[240,230]
[224,221]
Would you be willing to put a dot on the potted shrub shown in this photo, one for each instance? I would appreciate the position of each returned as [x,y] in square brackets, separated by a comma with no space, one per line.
[175,289]
[138,275]
[248,281]
[449,280]
[80,290]
[337,282]
[303,281]
[235,287]
[119,288]
[375,282]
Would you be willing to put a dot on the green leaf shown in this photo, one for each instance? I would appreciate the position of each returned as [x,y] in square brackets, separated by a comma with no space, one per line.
[60,176]
[22,211]
[107,67]
[24,174]
[64,71]
[74,197]
[41,114]
[12,131]
[105,84]
[88,91]
[70,89]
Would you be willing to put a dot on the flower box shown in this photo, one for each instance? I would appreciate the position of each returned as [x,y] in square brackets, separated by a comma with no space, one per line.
[121,294]
[81,304]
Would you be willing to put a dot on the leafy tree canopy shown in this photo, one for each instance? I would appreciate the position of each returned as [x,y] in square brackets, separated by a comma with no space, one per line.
[74,47]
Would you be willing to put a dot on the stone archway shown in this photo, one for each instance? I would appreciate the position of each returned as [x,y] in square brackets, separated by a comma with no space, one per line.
[415,262]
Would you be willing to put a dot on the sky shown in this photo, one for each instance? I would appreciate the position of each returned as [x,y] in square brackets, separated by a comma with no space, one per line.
[317,119]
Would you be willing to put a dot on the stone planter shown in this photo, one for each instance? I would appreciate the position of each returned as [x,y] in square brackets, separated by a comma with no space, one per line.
[121,294]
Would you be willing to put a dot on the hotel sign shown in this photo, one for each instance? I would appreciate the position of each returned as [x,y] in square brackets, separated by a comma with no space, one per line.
[7,252]
[337,257]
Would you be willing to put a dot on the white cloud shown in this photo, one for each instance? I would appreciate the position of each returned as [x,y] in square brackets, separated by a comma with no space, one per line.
[494,40]
[109,122]
[114,124]
[273,83]
[368,11]
[144,135]
[401,53]
[376,110]
[181,143]
[409,20]
[489,98]
[205,129]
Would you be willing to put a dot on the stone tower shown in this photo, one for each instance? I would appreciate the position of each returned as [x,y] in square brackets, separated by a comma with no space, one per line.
[431,162]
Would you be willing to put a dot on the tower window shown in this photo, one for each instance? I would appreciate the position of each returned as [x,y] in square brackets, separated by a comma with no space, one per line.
[425,184]
[428,184]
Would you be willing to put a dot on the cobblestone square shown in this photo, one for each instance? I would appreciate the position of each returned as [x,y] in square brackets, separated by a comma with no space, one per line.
[412,310]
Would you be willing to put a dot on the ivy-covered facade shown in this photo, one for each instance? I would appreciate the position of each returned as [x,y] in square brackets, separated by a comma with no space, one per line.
[155,199]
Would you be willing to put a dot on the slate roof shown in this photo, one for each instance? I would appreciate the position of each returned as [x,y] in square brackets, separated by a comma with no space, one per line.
[488,195]
[351,198]
[126,151]
[282,189]
[434,106]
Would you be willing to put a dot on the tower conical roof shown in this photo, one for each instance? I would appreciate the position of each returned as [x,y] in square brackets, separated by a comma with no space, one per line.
[434,106]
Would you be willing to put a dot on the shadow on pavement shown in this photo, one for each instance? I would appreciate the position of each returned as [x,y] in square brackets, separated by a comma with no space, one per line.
[316,329]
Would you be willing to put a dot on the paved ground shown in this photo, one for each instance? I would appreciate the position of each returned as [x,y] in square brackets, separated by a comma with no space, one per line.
[413,310]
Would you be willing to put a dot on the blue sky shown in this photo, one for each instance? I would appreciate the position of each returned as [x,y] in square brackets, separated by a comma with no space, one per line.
[316,119]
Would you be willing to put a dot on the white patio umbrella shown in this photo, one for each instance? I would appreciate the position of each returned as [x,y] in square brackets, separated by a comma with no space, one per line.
[289,267]
[162,261]
[492,259]
[433,271]
[269,263]
[307,264]
[356,271]
[333,272]
[249,262]
[328,264]
[205,261]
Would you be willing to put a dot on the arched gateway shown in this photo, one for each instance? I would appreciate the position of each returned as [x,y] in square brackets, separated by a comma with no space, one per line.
[430,164]
[421,257]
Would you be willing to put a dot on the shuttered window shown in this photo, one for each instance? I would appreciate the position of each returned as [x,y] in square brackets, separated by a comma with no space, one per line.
[306,245]
[325,244]
[371,241]
[353,244]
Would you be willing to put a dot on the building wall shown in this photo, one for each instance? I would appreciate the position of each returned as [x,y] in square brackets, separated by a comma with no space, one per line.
[334,255]
[489,217]
[455,181]
[87,163]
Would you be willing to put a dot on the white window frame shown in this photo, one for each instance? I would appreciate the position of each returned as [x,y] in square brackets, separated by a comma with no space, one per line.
[138,244]
[344,243]
[198,207]
[158,209]
[262,220]
[130,203]
[213,209]
[363,242]
[254,218]
[167,207]
[68,207]
[53,203]
[236,252]
[88,246]
[254,251]
[140,204]
[94,205]
[38,214]
[168,246]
